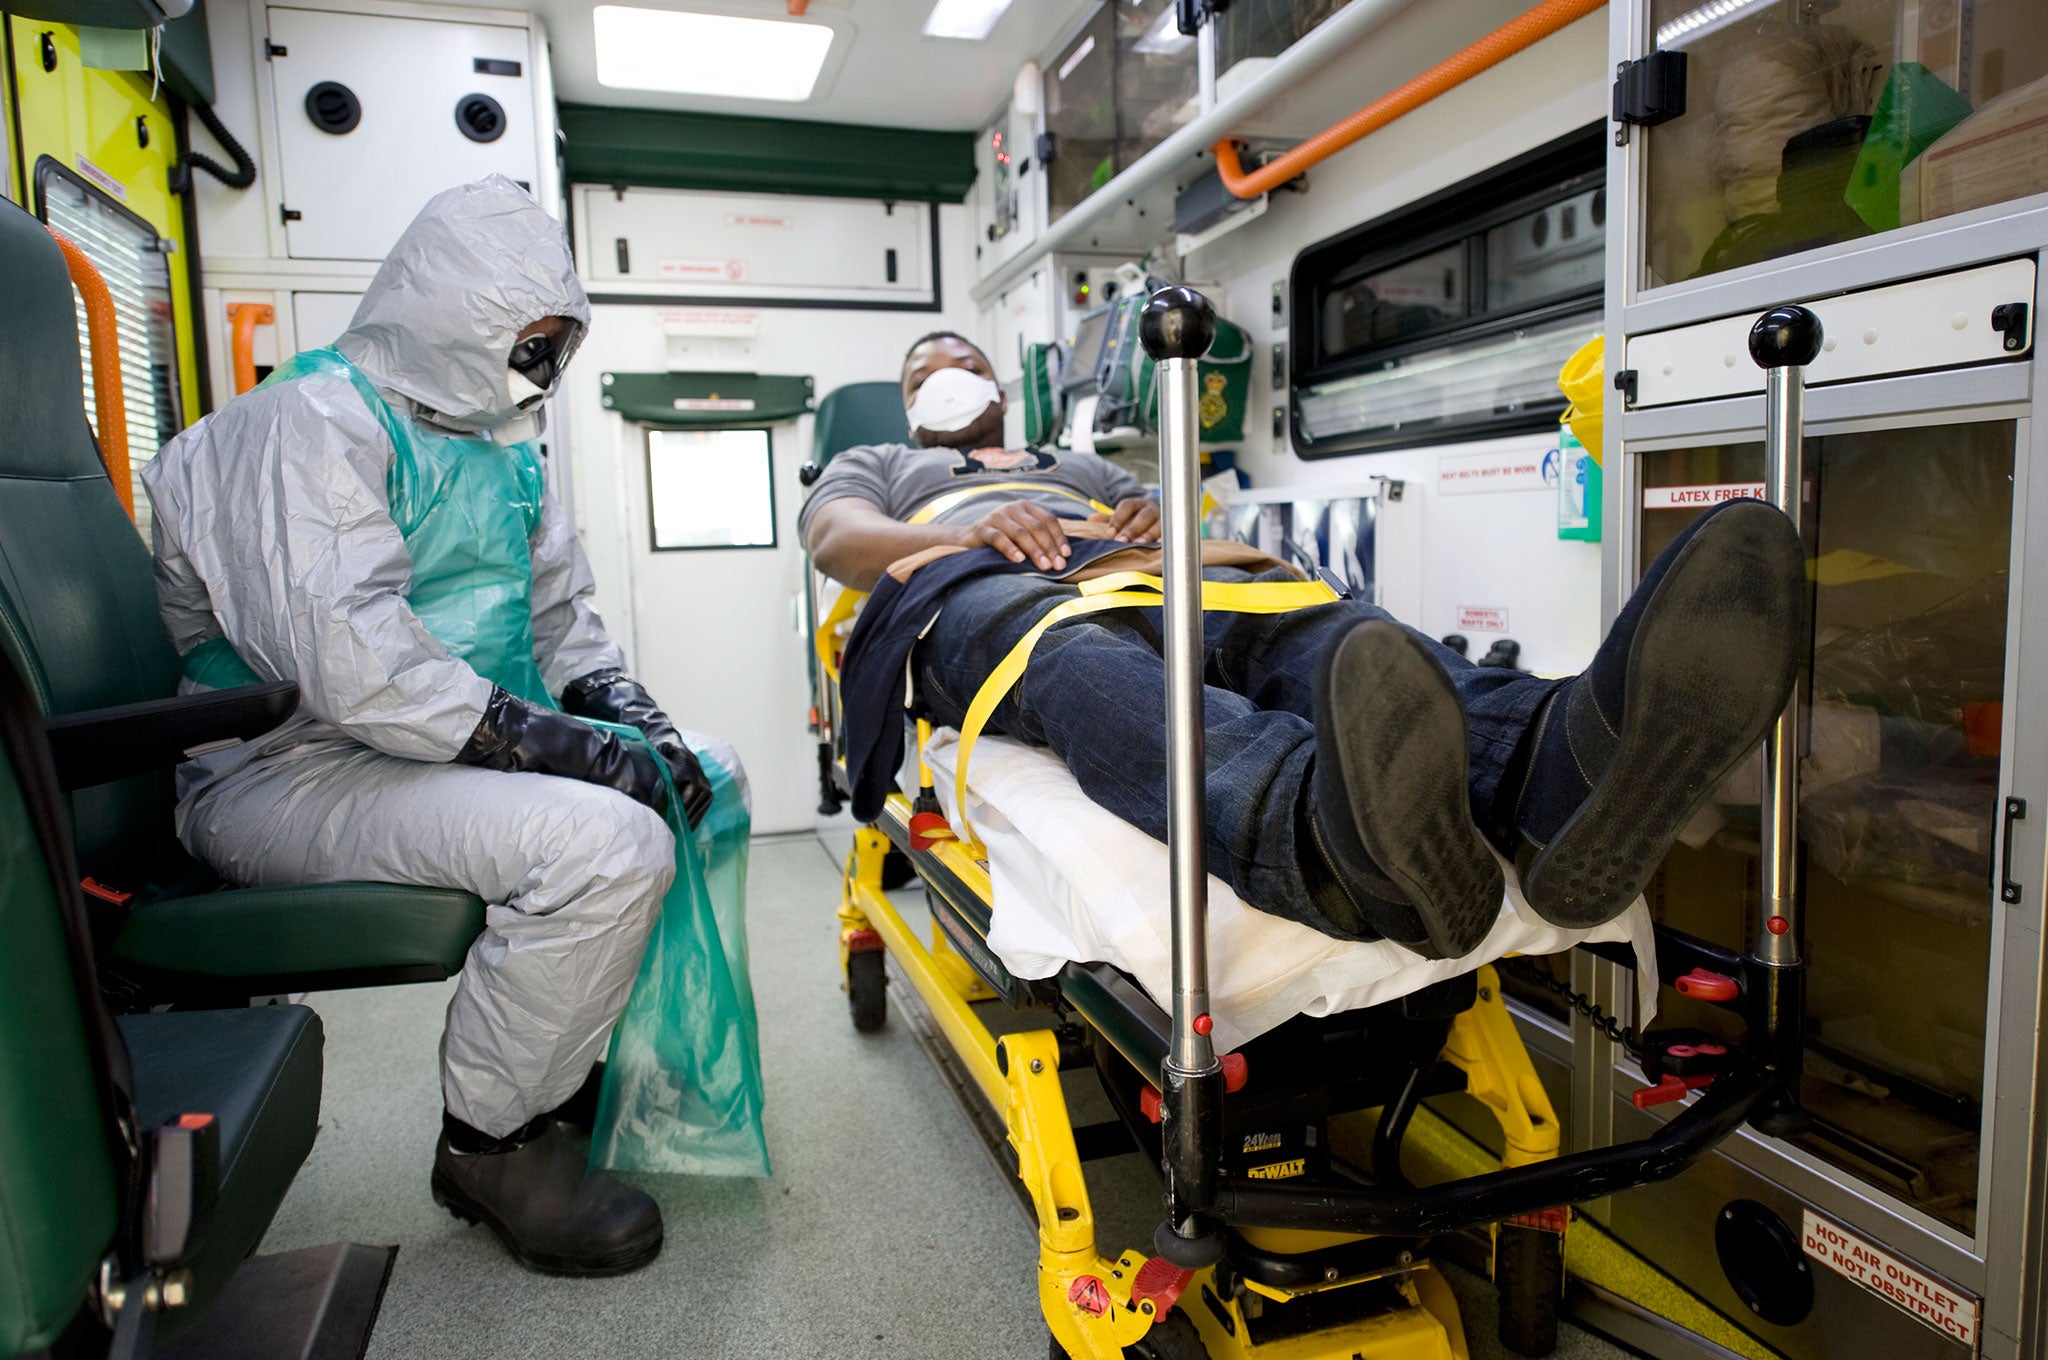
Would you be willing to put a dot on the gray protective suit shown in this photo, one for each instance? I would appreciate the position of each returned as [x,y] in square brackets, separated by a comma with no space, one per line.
[273,528]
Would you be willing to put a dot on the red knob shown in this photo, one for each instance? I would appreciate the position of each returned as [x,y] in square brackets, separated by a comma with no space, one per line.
[1203,1024]
[1778,925]
[1703,985]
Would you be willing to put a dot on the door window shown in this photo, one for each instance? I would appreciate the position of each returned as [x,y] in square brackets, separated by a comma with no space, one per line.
[710,489]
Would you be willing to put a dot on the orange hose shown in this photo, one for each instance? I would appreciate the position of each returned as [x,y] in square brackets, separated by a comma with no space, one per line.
[246,317]
[1496,47]
[104,338]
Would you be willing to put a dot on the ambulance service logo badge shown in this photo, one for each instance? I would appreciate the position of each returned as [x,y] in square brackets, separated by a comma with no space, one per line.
[1212,408]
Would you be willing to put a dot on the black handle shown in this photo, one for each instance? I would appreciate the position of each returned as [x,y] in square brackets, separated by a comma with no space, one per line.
[1177,323]
[2008,890]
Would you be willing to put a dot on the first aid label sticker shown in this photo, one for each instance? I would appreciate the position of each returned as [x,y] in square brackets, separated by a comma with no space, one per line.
[1941,1306]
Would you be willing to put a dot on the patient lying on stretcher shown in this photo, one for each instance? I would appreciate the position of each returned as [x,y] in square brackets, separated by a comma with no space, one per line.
[1360,776]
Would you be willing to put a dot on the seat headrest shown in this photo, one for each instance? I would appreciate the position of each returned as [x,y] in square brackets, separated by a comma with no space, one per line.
[856,414]
[41,379]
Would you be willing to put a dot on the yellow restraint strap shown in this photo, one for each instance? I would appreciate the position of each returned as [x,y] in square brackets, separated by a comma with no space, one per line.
[825,639]
[1118,590]
[933,509]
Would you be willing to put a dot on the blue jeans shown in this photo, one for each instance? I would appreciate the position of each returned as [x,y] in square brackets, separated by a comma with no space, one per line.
[1095,694]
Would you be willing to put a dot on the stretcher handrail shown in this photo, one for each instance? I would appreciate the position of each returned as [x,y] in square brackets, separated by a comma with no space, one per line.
[1517,34]
[103,336]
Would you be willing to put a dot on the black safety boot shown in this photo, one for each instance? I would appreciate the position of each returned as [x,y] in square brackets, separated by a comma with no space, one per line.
[579,1112]
[538,1195]
[1699,664]
[1387,804]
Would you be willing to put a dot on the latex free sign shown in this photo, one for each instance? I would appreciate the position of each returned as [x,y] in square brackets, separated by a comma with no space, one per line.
[702,271]
[1941,1306]
[1699,497]
[1465,474]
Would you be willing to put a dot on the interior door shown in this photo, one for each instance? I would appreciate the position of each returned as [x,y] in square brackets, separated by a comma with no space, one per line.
[717,572]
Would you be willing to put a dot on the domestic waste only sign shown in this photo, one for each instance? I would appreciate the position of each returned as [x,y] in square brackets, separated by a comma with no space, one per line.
[1941,1306]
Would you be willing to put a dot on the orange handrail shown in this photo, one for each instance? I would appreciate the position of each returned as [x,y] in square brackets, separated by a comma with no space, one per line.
[1496,47]
[247,316]
[104,338]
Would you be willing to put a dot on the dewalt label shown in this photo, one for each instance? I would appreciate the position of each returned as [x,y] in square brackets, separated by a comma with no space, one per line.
[1278,1171]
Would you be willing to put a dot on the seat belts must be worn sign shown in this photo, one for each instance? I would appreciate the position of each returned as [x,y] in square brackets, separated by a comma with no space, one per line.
[1941,1306]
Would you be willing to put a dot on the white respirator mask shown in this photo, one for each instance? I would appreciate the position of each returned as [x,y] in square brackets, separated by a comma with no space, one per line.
[951,400]
[524,394]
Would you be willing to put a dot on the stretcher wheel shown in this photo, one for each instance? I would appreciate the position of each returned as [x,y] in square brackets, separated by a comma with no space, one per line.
[1528,1269]
[867,990]
[1173,1337]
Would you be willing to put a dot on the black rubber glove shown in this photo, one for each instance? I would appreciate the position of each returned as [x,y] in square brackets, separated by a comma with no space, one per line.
[610,696]
[516,735]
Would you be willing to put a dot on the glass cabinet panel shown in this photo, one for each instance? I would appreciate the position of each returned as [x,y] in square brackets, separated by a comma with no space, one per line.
[1266,28]
[1811,122]
[1120,88]
[1899,816]
[1080,113]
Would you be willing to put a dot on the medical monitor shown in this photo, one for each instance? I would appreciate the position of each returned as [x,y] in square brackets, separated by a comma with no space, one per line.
[1092,340]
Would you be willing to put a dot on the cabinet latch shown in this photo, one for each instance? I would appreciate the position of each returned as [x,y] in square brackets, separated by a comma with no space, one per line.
[2009,319]
[1625,383]
[1650,90]
[285,214]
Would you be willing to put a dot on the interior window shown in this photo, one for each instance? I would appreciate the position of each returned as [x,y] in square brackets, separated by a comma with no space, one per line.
[710,489]
[125,250]
[1449,319]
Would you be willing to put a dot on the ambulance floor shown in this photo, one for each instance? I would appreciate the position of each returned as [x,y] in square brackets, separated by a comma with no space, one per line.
[885,1233]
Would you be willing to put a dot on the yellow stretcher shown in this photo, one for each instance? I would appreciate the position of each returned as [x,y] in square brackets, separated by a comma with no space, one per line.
[1292,1230]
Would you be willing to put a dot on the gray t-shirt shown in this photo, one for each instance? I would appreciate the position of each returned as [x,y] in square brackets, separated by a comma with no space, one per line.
[902,480]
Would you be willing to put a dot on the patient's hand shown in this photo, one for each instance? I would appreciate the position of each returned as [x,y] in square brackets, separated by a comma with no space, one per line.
[1136,520]
[1021,531]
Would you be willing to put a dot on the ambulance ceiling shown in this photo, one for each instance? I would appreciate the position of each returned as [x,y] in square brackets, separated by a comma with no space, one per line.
[882,70]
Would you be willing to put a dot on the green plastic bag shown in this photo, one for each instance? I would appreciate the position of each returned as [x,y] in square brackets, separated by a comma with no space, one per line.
[683,1087]
[682,1083]
[1915,110]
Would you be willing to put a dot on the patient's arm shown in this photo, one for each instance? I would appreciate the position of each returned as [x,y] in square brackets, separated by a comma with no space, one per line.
[853,540]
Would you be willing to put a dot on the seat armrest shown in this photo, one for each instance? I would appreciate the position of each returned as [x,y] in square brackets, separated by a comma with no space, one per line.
[102,745]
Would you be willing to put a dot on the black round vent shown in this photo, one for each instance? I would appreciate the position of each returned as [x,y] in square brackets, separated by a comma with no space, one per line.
[333,107]
[1762,1260]
[480,117]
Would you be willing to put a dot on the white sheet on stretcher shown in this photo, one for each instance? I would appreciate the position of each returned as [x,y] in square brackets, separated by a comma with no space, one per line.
[1075,882]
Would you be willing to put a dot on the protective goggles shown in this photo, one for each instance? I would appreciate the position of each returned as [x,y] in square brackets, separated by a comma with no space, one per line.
[536,359]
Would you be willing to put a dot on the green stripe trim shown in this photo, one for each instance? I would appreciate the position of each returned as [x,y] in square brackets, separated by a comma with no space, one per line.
[670,149]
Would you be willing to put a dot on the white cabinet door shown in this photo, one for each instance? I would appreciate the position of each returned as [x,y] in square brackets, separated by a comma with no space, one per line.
[318,318]
[672,242]
[355,191]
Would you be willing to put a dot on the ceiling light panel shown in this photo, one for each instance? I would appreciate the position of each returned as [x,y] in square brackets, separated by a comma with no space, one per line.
[968,19]
[710,54]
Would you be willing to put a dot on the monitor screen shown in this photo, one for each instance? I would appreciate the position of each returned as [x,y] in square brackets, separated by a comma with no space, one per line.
[1084,360]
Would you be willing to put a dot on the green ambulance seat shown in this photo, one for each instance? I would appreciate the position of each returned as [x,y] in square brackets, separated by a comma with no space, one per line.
[64,1067]
[78,617]
[858,413]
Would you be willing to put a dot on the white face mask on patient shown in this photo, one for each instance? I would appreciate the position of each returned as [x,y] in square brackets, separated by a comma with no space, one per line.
[951,399]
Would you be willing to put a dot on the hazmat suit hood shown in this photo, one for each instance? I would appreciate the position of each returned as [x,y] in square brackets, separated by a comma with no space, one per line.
[479,264]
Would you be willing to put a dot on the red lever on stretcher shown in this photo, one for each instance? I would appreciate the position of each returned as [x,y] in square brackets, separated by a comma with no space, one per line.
[1234,1074]
[1670,1089]
[1703,985]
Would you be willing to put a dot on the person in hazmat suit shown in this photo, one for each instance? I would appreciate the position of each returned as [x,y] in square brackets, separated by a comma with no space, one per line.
[372,522]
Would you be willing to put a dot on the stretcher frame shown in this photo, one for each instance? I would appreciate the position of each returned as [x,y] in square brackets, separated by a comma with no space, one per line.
[1098,1307]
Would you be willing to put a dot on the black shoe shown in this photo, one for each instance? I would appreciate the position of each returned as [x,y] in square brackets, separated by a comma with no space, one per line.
[551,1212]
[1388,807]
[1698,666]
[579,1112]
